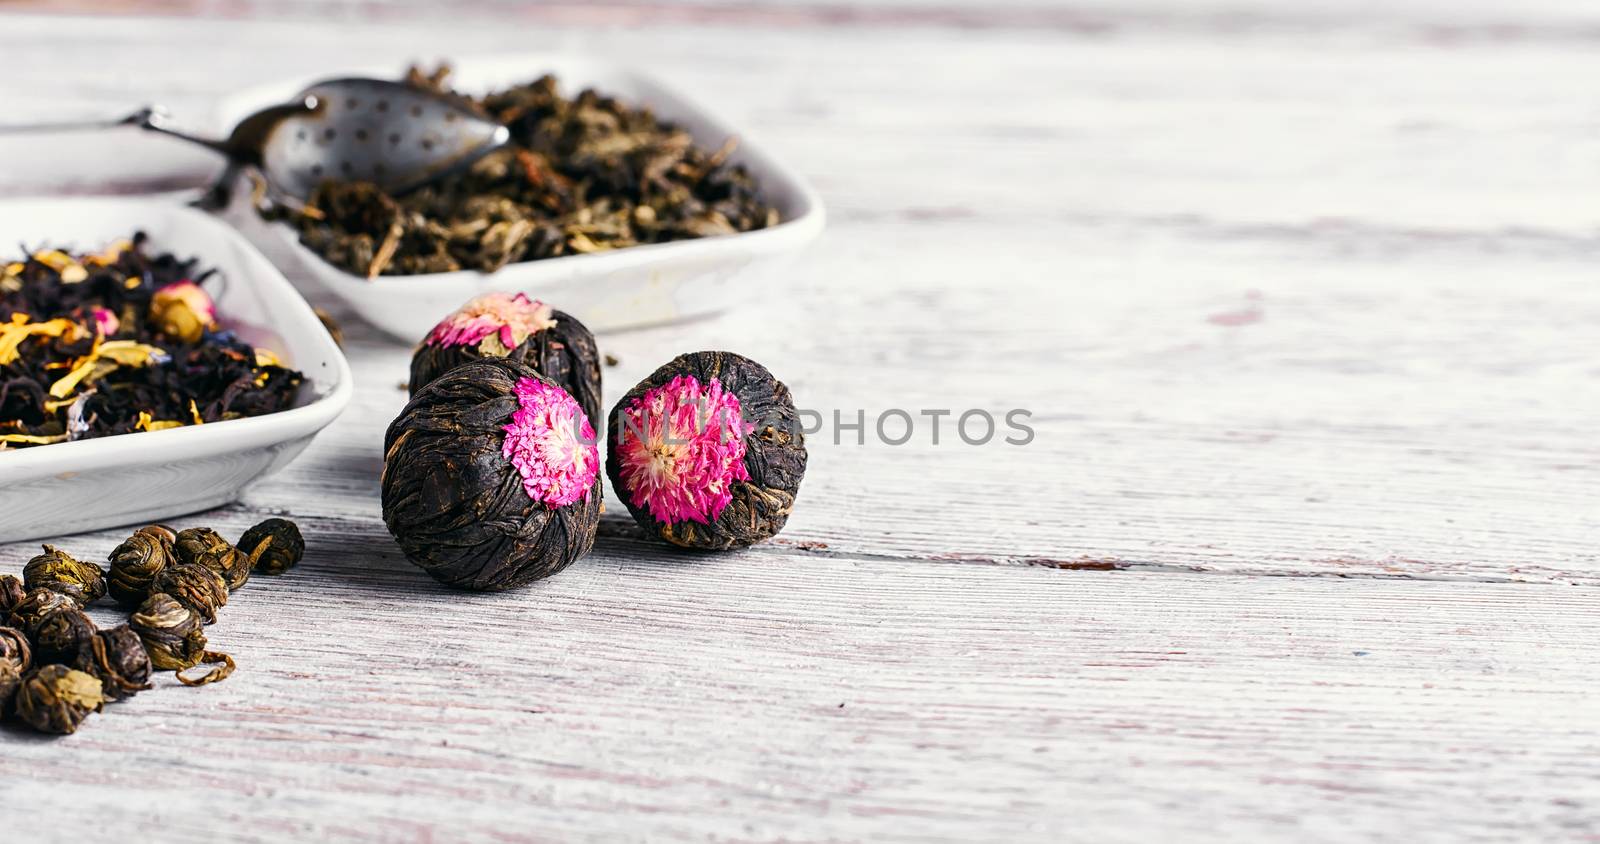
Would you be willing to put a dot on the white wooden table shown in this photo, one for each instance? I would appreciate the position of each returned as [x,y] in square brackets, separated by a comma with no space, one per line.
[1303,303]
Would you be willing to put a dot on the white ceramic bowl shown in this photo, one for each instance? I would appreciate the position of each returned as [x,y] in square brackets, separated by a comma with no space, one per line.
[135,478]
[642,285]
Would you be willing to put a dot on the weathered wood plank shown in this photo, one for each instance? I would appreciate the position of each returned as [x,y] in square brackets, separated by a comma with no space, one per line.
[771,695]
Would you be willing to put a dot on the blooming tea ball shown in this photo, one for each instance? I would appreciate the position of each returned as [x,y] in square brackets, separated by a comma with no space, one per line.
[274,546]
[136,562]
[491,477]
[512,326]
[707,452]
[56,699]
[12,591]
[59,571]
[118,660]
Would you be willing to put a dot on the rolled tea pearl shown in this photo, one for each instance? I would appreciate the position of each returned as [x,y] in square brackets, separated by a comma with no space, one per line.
[170,631]
[491,477]
[35,607]
[195,586]
[56,699]
[10,681]
[15,649]
[514,327]
[707,452]
[137,561]
[206,547]
[118,659]
[12,591]
[59,636]
[274,546]
[59,571]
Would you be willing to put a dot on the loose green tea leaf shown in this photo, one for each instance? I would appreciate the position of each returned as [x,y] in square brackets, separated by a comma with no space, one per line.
[137,561]
[274,546]
[582,174]
[59,571]
[56,699]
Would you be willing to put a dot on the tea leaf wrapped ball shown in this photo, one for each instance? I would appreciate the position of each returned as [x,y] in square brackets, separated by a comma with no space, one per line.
[59,571]
[36,606]
[514,327]
[118,660]
[707,452]
[195,586]
[15,649]
[274,546]
[137,561]
[170,631]
[10,681]
[491,477]
[12,591]
[206,547]
[59,636]
[56,699]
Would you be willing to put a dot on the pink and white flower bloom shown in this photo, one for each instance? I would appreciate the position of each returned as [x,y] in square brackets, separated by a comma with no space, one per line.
[552,444]
[503,319]
[681,449]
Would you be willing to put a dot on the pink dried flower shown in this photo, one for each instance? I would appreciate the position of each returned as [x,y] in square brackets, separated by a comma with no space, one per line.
[183,311]
[503,318]
[552,444]
[681,450]
[106,321]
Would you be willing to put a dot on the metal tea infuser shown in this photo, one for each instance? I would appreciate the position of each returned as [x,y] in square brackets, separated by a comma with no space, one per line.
[394,135]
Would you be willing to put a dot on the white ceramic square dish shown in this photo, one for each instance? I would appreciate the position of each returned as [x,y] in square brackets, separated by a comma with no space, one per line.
[72,487]
[641,285]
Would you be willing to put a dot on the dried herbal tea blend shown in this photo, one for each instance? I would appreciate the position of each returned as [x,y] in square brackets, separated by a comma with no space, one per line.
[512,326]
[491,477]
[582,174]
[274,546]
[57,699]
[707,452]
[121,341]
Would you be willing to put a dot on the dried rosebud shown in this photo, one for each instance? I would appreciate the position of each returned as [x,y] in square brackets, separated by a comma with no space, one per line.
[274,546]
[170,631]
[491,477]
[118,659]
[56,699]
[182,311]
[707,452]
[137,561]
[58,638]
[206,547]
[58,571]
[36,606]
[10,681]
[512,326]
[105,321]
[195,586]
[12,590]
[15,649]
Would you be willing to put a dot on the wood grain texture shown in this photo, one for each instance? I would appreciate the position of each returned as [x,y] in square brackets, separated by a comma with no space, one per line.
[1300,290]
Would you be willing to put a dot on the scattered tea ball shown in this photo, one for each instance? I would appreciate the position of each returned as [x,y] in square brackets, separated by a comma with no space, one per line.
[137,561]
[58,571]
[56,699]
[274,546]
[118,659]
[707,452]
[512,326]
[491,477]
[170,631]
[206,547]
[59,636]
[12,590]
[182,311]
[195,586]
[15,649]
[10,681]
[36,606]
